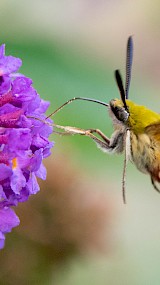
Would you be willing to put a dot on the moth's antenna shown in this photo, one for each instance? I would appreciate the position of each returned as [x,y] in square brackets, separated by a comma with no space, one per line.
[77,98]
[121,88]
[129,59]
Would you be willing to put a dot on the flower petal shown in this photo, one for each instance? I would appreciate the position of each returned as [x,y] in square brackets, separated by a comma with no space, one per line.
[8,220]
[5,171]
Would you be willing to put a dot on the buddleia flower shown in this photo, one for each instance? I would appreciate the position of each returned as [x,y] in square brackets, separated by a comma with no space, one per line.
[23,140]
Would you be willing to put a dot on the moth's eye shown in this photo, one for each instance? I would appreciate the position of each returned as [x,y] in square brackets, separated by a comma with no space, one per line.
[120,112]
[122,115]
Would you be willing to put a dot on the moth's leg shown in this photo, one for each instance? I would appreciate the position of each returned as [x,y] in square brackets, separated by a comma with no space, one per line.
[114,144]
[101,134]
[126,158]
[68,130]
[62,133]
[154,185]
[103,145]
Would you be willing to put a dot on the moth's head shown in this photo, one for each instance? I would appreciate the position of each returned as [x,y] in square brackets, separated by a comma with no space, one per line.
[118,110]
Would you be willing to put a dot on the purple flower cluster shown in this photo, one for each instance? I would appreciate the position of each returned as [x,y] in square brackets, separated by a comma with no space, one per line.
[23,140]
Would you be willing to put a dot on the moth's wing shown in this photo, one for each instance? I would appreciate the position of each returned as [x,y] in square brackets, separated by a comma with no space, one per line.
[153,131]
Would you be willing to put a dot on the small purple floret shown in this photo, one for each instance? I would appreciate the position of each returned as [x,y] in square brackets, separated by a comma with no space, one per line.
[8,220]
[23,140]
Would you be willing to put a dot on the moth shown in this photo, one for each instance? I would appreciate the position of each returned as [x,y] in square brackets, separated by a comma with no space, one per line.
[136,129]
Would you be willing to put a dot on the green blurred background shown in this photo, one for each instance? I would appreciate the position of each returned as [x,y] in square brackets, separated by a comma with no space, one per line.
[77,230]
